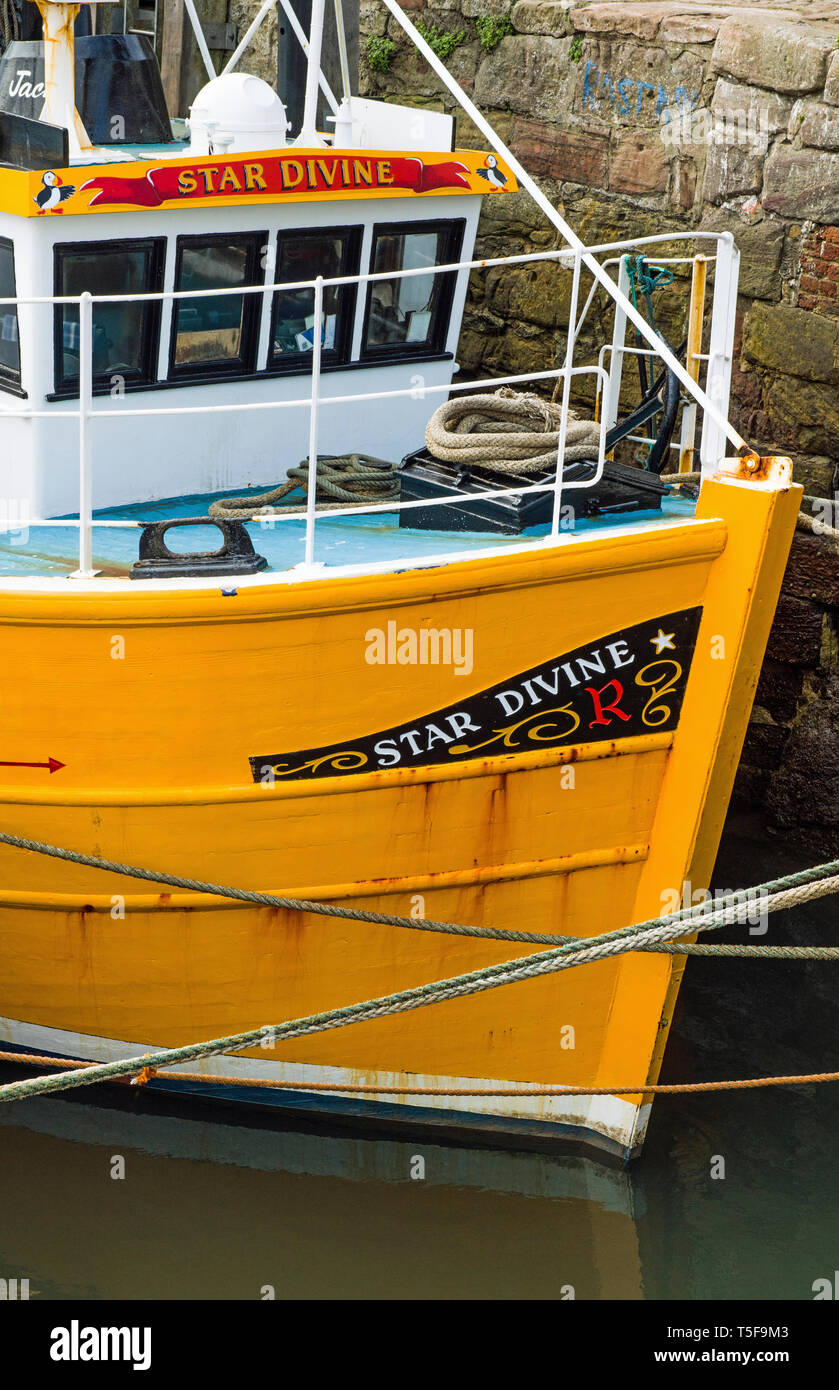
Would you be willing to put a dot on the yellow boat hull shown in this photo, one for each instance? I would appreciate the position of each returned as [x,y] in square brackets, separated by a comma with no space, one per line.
[160,702]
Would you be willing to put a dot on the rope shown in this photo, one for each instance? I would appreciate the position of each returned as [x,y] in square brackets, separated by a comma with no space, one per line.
[789,891]
[271,1083]
[348,478]
[777,893]
[506,433]
[805,522]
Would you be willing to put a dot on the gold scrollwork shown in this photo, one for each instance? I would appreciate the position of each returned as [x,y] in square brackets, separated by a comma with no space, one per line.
[536,732]
[655,675]
[344,760]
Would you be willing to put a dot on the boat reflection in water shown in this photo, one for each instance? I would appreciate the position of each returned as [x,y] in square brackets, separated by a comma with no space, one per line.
[213,1209]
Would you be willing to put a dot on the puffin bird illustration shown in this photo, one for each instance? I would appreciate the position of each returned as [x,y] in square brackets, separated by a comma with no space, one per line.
[53,193]
[492,173]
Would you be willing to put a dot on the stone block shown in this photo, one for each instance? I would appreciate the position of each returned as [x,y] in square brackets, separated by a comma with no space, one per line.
[566,155]
[537,294]
[773,53]
[764,744]
[778,690]
[815,124]
[796,635]
[831,86]
[731,171]
[683,190]
[806,791]
[813,570]
[473,8]
[550,17]
[529,75]
[639,164]
[749,111]
[761,246]
[640,20]
[690,28]
[802,183]
[803,415]
[790,340]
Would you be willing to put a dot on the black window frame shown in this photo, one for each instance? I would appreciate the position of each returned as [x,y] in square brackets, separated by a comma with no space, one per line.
[296,361]
[245,364]
[455,231]
[9,378]
[146,375]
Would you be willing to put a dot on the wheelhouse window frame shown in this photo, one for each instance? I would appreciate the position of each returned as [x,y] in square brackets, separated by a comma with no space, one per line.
[67,384]
[10,378]
[245,364]
[340,354]
[442,301]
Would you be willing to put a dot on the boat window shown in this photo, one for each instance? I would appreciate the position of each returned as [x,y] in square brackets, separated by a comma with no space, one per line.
[411,315]
[9,345]
[330,252]
[125,334]
[217,333]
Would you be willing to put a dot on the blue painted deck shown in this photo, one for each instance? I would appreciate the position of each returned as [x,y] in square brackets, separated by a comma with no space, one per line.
[51,552]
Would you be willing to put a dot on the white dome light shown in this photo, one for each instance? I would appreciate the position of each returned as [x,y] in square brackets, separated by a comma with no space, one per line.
[236,113]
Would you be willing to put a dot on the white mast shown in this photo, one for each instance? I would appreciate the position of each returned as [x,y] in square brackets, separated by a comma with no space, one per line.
[60,71]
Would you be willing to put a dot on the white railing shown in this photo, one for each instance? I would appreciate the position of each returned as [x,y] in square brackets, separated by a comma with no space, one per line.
[717,360]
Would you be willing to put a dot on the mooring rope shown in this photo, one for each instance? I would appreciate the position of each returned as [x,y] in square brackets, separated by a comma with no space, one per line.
[507,432]
[146,1073]
[346,479]
[772,896]
[805,522]
[789,891]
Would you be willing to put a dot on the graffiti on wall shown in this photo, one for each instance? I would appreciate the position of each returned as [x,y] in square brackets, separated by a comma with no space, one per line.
[626,96]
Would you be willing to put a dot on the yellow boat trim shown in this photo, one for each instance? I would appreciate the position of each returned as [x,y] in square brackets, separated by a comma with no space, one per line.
[108,601]
[334,786]
[367,888]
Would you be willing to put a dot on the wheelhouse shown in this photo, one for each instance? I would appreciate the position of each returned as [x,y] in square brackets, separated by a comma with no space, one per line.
[201,256]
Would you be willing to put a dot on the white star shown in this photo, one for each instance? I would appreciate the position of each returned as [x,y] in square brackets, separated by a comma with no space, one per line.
[663,640]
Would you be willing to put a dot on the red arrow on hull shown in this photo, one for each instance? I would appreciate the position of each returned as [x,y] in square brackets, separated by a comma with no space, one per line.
[53,764]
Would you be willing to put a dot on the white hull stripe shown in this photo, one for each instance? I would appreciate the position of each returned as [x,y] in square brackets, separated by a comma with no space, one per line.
[611,1116]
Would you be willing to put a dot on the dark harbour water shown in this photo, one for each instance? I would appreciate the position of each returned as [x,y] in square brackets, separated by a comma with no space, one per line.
[210,1209]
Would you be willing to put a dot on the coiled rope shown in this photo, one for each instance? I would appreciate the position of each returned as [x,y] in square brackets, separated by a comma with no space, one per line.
[345,479]
[507,432]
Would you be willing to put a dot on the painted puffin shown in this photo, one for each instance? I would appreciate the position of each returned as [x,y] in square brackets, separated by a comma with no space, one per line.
[52,194]
[492,173]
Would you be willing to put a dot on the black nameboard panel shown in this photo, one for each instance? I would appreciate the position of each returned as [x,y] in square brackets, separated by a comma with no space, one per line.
[628,683]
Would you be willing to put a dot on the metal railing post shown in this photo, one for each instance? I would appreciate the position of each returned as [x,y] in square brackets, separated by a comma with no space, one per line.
[311,499]
[611,405]
[85,570]
[566,396]
[720,353]
[696,318]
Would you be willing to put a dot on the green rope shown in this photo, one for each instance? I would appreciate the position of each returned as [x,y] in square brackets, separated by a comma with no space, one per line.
[477,981]
[744,898]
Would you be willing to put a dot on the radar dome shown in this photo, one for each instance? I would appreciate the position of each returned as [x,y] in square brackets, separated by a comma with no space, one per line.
[236,113]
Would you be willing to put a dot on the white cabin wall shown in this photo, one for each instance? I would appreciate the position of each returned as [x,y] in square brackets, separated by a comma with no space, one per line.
[147,457]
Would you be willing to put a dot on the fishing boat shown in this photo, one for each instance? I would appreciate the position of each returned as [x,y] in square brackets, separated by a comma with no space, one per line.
[468,692]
